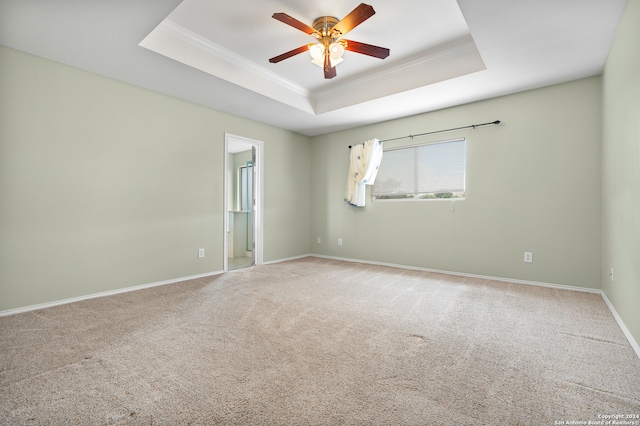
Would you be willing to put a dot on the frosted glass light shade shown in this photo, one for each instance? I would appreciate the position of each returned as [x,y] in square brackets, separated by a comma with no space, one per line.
[336,50]
[317,54]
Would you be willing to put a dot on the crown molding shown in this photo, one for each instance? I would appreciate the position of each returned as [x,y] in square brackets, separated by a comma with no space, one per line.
[185,46]
[232,57]
[443,62]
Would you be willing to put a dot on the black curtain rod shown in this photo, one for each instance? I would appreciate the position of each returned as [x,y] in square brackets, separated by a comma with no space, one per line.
[472,126]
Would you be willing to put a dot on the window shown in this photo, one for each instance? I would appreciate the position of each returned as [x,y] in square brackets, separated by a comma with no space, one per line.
[420,172]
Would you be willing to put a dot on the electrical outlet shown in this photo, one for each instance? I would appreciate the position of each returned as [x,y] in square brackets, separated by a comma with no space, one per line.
[339,241]
[318,240]
[201,252]
[528,257]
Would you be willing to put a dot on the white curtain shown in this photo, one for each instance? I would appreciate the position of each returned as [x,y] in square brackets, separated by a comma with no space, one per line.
[363,168]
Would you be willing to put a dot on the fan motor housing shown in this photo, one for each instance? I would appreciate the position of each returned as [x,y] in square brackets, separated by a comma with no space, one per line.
[324,24]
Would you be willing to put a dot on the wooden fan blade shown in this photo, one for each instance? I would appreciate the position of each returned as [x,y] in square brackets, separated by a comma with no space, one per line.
[289,54]
[283,17]
[355,18]
[329,71]
[367,49]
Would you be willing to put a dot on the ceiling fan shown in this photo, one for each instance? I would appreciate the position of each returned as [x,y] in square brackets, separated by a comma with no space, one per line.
[328,30]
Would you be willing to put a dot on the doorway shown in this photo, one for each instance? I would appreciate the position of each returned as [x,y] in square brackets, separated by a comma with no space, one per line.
[243,202]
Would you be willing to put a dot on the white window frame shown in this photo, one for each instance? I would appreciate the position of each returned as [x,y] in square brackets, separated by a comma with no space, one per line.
[417,196]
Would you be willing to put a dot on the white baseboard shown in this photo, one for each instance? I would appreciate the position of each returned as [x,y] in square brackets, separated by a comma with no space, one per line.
[123,290]
[463,274]
[623,327]
[104,293]
[302,256]
[617,317]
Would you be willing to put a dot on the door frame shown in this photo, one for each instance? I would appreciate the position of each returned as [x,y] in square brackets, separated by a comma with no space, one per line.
[258,187]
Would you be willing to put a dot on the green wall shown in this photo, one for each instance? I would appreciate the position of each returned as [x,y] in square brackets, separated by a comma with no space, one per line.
[533,184]
[621,171]
[104,185]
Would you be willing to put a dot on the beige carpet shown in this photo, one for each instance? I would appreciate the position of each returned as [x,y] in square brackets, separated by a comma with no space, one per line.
[320,342]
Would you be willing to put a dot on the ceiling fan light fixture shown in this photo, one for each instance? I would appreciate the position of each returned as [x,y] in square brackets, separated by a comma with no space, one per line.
[336,50]
[330,46]
[317,54]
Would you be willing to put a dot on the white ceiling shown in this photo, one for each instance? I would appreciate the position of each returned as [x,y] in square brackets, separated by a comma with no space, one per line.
[443,53]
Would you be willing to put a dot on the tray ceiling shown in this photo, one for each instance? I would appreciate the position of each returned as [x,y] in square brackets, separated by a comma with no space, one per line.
[443,53]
